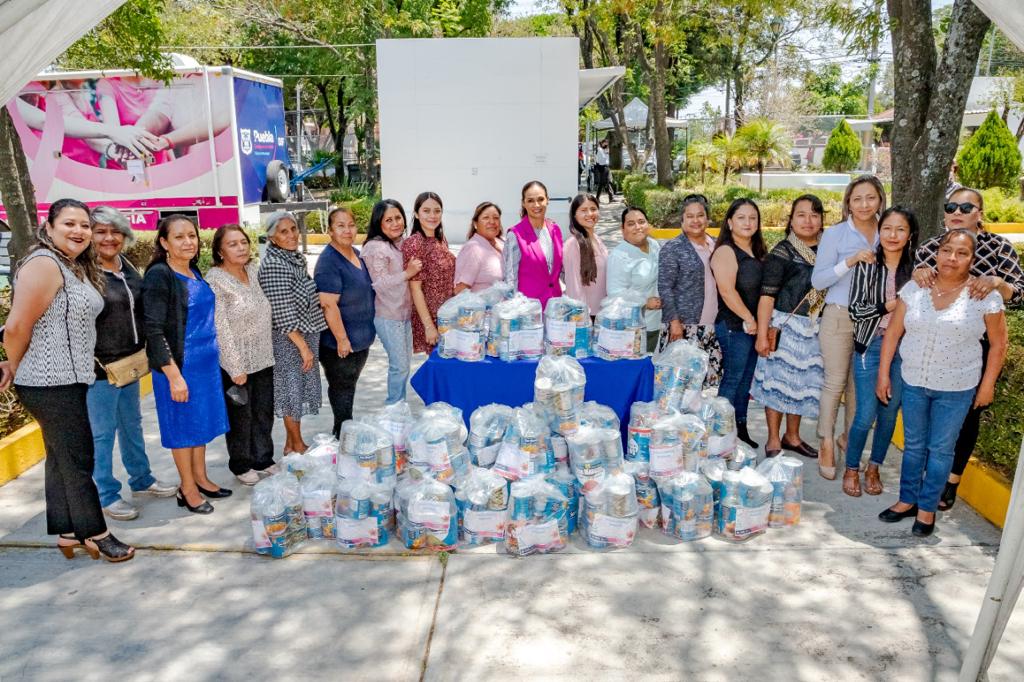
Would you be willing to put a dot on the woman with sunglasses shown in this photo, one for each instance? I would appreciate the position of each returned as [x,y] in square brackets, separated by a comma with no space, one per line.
[996,267]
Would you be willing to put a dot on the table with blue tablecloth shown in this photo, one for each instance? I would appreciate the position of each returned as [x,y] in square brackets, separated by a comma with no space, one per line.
[469,385]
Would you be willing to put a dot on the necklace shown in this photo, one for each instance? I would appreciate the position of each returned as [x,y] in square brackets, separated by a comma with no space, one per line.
[940,293]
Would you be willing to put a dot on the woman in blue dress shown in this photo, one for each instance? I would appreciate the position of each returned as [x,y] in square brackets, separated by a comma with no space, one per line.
[181,342]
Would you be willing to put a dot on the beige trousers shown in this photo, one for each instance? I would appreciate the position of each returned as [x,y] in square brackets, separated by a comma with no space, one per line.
[836,338]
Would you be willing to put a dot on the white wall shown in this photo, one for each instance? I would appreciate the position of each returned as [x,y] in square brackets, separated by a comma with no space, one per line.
[475,119]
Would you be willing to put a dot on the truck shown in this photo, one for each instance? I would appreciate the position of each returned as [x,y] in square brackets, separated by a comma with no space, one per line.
[210,143]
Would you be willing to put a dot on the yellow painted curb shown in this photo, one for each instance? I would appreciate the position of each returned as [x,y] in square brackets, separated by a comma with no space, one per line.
[23,449]
[325,239]
[664,233]
[1005,228]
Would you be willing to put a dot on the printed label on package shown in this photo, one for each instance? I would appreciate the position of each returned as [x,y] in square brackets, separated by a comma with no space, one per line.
[666,459]
[434,514]
[461,341]
[512,460]
[561,332]
[614,529]
[317,503]
[538,535]
[357,531]
[485,456]
[260,539]
[751,519]
[616,340]
[488,524]
[526,340]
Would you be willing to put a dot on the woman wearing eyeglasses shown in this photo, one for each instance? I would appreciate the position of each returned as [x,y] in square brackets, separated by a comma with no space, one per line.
[996,267]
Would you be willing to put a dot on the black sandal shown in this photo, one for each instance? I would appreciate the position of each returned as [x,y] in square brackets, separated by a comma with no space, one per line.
[948,498]
[110,548]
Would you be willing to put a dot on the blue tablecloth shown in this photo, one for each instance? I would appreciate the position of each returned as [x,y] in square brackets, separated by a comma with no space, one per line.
[468,385]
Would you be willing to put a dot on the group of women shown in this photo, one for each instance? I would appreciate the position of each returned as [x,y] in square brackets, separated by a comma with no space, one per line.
[859,310]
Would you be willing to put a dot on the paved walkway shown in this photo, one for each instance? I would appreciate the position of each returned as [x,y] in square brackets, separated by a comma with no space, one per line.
[840,597]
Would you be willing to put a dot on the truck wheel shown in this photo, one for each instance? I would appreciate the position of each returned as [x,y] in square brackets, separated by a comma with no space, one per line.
[277,181]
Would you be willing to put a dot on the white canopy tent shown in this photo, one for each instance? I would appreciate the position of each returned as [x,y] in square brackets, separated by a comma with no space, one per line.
[35,32]
[636,113]
[1008,16]
[595,81]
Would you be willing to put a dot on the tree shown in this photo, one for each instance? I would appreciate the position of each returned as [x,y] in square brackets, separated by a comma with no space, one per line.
[842,152]
[931,92]
[702,154]
[990,157]
[764,142]
[828,93]
[730,154]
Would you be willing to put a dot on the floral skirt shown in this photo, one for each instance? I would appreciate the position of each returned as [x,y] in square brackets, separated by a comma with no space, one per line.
[790,379]
[296,393]
[705,338]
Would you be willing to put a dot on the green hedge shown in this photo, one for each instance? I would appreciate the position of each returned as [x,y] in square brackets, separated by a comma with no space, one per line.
[141,252]
[1002,206]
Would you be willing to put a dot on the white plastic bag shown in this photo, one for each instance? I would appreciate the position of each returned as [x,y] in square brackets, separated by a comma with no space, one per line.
[318,488]
[786,474]
[537,518]
[599,416]
[436,446]
[461,328]
[720,419]
[619,329]
[559,385]
[566,327]
[608,518]
[517,328]
[487,427]
[278,522]
[397,419]
[363,514]
[426,515]
[687,506]
[366,452]
[594,454]
[526,448]
[642,417]
[679,371]
[482,500]
[745,505]
[679,442]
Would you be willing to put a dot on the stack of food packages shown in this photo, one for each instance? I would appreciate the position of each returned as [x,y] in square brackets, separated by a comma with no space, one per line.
[366,452]
[526,447]
[687,506]
[436,446]
[516,329]
[742,500]
[461,327]
[566,327]
[679,372]
[537,518]
[601,416]
[397,419]
[559,385]
[482,501]
[493,295]
[720,419]
[620,330]
[786,474]
[278,521]
[609,515]
[426,513]
[318,488]
[363,513]
[487,427]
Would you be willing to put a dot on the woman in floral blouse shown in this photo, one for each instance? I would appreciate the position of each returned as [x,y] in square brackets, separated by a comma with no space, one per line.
[435,283]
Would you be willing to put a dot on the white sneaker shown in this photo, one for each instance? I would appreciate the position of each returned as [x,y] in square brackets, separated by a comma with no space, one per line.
[158,489]
[250,477]
[121,511]
[269,471]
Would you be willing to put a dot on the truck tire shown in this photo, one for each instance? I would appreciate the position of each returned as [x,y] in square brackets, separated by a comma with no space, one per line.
[277,181]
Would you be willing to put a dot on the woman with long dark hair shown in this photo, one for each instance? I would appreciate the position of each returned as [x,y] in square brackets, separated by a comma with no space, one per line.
[435,283]
[533,252]
[584,256]
[737,262]
[479,263]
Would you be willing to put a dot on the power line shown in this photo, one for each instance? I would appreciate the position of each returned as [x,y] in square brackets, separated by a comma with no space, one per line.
[264,47]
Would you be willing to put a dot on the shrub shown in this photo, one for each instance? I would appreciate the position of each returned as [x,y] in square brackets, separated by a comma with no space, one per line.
[141,252]
[1002,207]
[842,152]
[664,207]
[618,175]
[990,157]
[1001,428]
[634,188]
[350,191]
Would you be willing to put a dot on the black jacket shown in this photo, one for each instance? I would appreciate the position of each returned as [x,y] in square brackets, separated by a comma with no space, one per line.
[165,310]
[120,327]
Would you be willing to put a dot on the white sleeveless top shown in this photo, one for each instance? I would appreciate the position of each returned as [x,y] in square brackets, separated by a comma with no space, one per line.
[60,351]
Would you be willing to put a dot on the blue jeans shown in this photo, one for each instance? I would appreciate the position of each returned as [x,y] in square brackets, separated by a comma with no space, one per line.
[396,336]
[931,424]
[739,359]
[870,411]
[116,411]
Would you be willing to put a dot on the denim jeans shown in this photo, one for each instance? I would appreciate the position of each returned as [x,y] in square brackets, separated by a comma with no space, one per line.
[931,423]
[870,411]
[739,359]
[396,336]
[115,411]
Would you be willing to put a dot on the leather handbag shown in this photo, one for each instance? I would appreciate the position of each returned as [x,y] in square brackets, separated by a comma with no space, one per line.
[775,332]
[126,370]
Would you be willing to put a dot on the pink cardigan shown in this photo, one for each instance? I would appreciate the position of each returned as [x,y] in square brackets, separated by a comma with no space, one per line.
[593,293]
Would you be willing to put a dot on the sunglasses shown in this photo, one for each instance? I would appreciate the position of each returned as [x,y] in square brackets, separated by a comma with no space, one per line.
[965,207]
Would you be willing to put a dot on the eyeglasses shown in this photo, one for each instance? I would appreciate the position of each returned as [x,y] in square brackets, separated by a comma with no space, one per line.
[965,207]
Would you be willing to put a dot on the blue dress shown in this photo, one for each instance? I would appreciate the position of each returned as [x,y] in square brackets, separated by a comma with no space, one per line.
[204,416]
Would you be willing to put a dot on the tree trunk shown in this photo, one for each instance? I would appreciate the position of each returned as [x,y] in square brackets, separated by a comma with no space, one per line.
[662,144]
[16,188]
[760,177]
[930,97]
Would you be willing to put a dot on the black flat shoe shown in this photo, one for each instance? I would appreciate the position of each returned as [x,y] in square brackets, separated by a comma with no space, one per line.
[741,433]
[948,498]
[204,508]
[803,449]
[922,529]
[215,494]
[890,516]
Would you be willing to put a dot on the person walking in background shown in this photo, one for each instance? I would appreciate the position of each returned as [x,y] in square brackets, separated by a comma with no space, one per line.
[435,282]
[390,275]
[633,266]
[601,170]
[686,287]
[114,401]
[873,297]
[245,339]
[181,342]
[737,263]
[479,263]
[346,294]
[584,256]
[297,320]
[789,373]
[996,267]
[533,252]
[843,246]
[49,337]
[941,367]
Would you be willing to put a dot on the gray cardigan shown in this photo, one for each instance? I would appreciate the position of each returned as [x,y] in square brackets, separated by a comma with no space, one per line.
[680,282]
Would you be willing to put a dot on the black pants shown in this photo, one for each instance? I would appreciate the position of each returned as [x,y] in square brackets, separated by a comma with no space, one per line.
[248,438]
[72,502]
[604,180]
[342,375]
[972,423]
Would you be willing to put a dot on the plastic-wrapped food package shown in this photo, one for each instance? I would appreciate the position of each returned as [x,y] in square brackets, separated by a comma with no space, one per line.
[620,330]
[559,384]
[487,426]
[648,499]
[278,522]
[687,506]
[563,479]
[679,371]
[461,328]
[517,328]
[679,442]
[363,513]
[436,443]
[397,419]
[526,448]
[720,419]
[537,518]
[427,515]
[642,417]
[491,296]
[318,489]
[786,474]
[608,517]
[745,504]
[597,415]
[741,457]
[295,463]
[323,451]
[366,452]
[594,454]
[566,327]
[482,500]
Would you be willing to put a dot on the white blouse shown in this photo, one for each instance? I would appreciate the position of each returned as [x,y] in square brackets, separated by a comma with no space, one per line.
[630,269]
[941,350]
[243,320]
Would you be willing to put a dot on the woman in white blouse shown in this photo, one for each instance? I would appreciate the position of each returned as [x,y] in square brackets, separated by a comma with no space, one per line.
[633,266]
[942,366]
[242,317]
